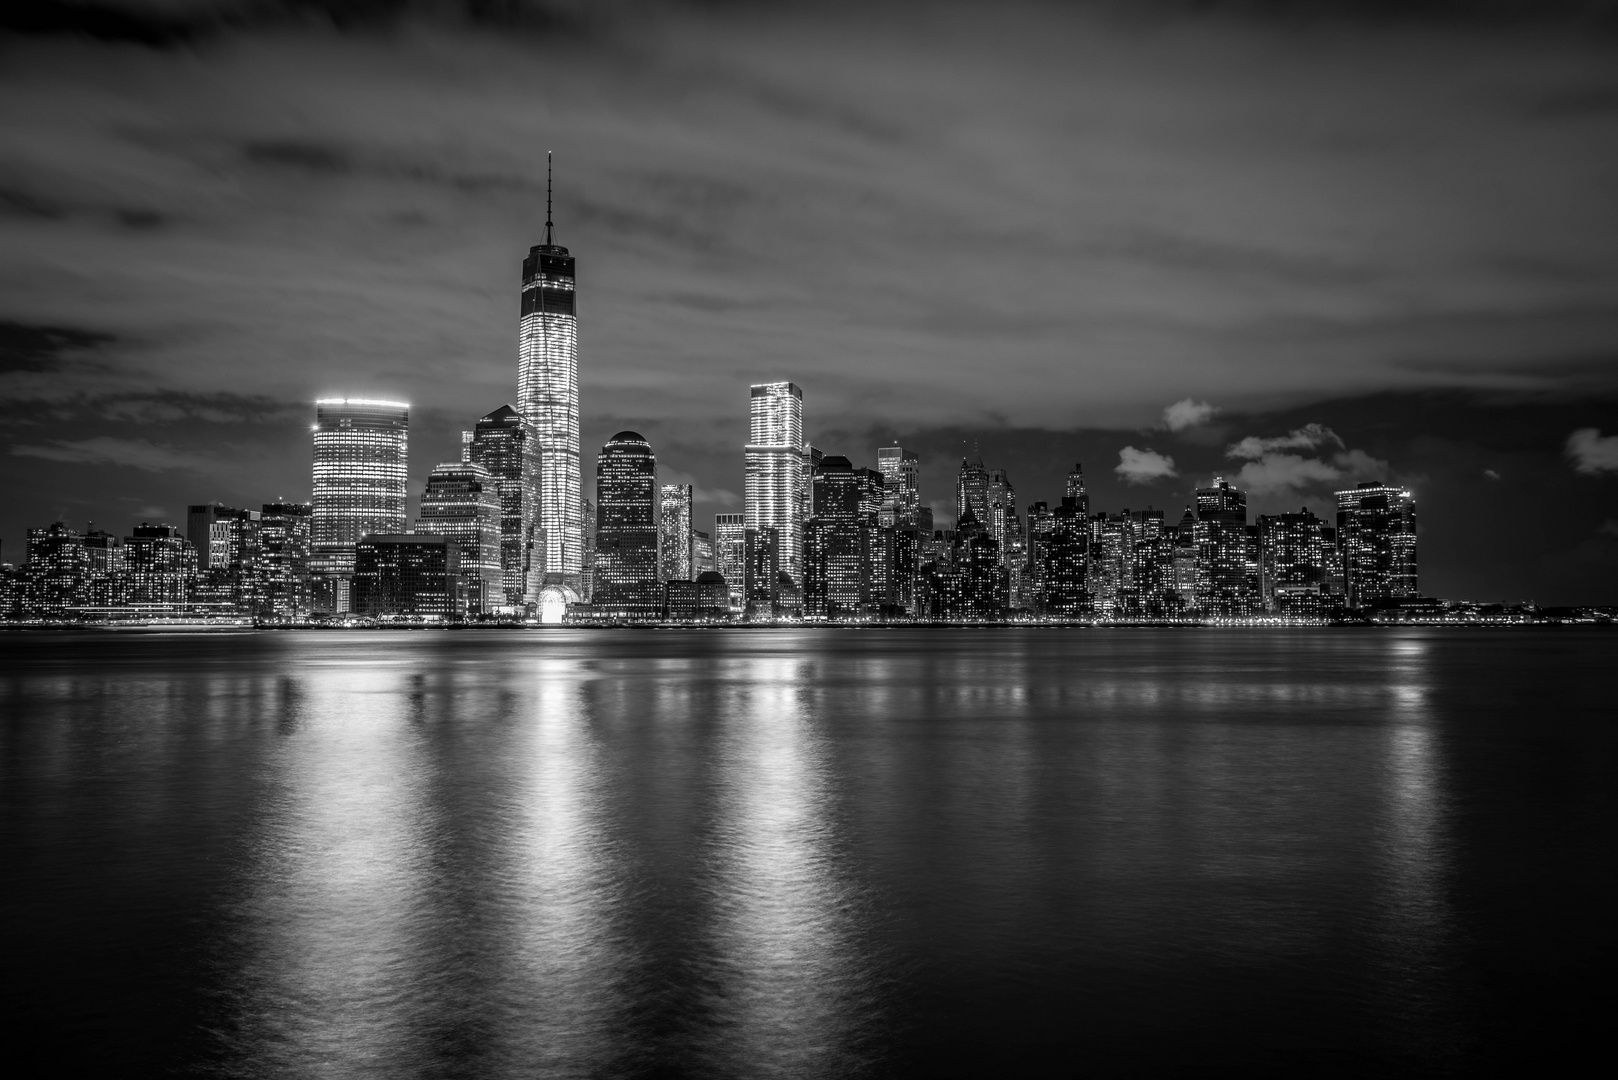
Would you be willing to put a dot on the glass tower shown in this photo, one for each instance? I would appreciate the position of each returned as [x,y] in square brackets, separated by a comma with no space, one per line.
[462,502]
[626,582]
[548,396]
[775,491]
[1376,530]
[505,443]
[730,554]
[360,469]
[674,533]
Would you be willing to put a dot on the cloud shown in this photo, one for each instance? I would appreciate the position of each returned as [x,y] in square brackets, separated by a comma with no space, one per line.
[1276,473]
[1143,466]
[1305,438]
[1593,453]
[1491,474]
[1187,413]
[106,450]
[1357,465]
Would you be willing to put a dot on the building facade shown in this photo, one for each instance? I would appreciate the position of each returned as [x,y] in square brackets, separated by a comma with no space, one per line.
[548,396]
[361,468]
[283,554]
[776,460]
[674,533]
[730,555]
[408,575]
[1376,532]
[1223,577]
[462,501]
[506,443]
[626,565]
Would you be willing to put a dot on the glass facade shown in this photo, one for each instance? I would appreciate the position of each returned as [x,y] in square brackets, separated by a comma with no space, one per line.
[626,581]
[674,533]
[361,467]
[730,554]
[1376,532]
[506,444]
[462,502]
[775,489]
[548,396]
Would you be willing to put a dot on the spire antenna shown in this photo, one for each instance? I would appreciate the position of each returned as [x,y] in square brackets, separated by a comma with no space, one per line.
[547,198]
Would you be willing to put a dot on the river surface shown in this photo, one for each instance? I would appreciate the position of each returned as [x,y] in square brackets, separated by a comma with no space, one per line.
[808,853]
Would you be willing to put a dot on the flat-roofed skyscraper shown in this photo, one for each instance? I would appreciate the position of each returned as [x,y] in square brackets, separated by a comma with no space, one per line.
[506,443]
[548,396]
[730,554]
[362,449]
[1376,531]
[626,582]
[901,471]
[775,491]
[674,533]
[462,502]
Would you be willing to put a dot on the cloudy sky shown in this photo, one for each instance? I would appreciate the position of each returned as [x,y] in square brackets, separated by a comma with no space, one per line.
[1298,245]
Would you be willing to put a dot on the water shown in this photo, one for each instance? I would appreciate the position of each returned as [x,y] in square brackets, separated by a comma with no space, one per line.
[807,853]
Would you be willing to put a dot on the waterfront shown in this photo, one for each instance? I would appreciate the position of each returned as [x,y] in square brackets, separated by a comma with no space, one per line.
[808,852]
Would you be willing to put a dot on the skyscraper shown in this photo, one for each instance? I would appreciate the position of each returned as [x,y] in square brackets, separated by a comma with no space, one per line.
[775,457]
[1376,531]
[548,396]
[674,533]
[626,583]
[972,492]
[1075,490]
[1295,552]
[283,567]
[901,471]
[837,543]
[462,502]
[1222,550]
[361,463]
[730,555]
[506,443]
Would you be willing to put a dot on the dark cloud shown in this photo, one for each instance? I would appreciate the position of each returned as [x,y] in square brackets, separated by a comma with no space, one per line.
[43,348]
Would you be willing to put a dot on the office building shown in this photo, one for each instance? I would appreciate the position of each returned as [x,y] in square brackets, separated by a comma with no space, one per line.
[674,533]
[972,491]
[626,571]
[462,501]
[730,555]
[1075,490]
[702,553]
[361,466]
[776,462]
[161,571]
[226,540]
[506,443]
[1223,564]
[1066,561]
[1376,534]
[408,575]
[901,490]
[1295,555]
[56,575]
[283,560]
[837,553]
[548,397]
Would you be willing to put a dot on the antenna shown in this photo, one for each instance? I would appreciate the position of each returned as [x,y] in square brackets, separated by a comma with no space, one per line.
[547,198]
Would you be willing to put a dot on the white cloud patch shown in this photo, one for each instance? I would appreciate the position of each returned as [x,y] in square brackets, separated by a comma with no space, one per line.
[1307,437]
[1187,414]
[106,450]
[1491,474]
[1593,453]
[1276,473]
[1143,466]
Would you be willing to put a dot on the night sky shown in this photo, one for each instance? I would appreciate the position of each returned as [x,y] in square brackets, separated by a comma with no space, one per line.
[1297,245]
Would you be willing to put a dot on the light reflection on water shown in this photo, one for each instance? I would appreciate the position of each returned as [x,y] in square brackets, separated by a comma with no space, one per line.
[793,854]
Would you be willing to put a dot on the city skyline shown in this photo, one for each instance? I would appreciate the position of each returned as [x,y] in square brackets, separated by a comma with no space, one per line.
[1185,274]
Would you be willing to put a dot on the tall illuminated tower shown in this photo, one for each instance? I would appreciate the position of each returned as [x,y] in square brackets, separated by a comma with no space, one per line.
[361,464]
[548,396]
[774,485]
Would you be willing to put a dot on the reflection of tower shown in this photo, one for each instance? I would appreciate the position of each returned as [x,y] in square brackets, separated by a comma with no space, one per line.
[548,395]
[775,488]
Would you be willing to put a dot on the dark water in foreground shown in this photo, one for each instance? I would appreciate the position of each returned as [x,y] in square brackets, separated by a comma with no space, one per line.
[808,853]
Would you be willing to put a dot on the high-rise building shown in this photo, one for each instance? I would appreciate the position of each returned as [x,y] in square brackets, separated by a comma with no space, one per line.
[226,540]
[1223,578]
[626,580]
[1295,554]
[409,574]
[972,492]
[462,501]
[161,570]
[1075,490]
[361,465]
[283,560]
[548,396]
[776,459]
[1067,550]
[730,555]
[901,476]
[1376,533]
[1185,562]
[702,554]
[57,572]
[837,578]
[674,533]
[506,443]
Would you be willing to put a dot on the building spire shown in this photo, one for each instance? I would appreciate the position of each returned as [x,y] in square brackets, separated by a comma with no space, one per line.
[547,198]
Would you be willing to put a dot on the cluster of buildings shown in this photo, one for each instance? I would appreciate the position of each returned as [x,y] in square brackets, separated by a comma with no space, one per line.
[504,531]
